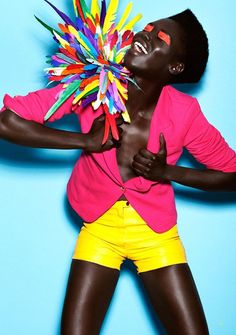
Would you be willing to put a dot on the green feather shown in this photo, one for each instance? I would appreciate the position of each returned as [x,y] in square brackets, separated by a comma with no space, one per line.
[84,8]
[63,97]
[96,89]
[47,26]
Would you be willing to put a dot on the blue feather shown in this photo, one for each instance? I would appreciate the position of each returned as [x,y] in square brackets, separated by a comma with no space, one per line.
[62,15]
[103,13]
[87,42]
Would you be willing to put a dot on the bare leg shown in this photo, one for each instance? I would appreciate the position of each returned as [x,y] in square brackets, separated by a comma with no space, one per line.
[89,292]
[175,299]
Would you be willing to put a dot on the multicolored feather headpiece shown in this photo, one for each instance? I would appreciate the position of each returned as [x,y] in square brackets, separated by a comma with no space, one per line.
[89,60]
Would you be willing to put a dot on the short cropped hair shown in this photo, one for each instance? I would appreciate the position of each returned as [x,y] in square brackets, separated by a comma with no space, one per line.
[196,47]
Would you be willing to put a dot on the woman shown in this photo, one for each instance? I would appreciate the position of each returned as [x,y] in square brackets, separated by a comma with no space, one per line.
[131,179]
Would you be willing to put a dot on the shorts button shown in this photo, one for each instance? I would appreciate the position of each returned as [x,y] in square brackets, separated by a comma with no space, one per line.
[127,203]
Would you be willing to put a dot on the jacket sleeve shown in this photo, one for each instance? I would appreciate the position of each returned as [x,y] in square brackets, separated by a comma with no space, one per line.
[206,143]
[35,105]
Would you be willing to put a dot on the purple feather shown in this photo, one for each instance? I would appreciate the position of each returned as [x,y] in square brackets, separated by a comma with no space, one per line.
[87,101]
[71,78]
[62,15]
[55,63]
[79,52]
[79,23]
[91,38]
[57,59]
[120,106]
[55,39]
[103,13]
[68,37]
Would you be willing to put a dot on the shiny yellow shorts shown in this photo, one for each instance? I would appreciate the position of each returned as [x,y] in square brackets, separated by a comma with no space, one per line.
[121,233]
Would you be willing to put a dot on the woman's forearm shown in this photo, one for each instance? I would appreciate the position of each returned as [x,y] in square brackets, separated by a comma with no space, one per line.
[207,180]
[32,134]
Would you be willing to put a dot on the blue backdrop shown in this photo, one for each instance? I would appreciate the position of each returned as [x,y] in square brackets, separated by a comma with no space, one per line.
[38,230]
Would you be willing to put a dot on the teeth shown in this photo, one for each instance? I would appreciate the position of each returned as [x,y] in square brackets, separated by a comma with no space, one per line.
[140,46]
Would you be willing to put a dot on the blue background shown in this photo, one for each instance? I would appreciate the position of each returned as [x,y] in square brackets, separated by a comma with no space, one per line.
[38,229]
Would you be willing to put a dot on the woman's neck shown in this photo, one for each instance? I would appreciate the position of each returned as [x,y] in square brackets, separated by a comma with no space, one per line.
[144,97]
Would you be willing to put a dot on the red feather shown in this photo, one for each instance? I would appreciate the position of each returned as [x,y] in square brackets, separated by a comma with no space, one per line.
[87,81]
[91,25]
[114,130]
[66,52]
[106,131]
[80,11]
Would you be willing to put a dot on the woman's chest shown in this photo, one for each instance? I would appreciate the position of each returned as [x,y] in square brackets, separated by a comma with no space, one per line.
[135,137]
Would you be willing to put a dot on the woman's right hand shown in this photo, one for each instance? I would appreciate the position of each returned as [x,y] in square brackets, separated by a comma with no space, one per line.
[95,136]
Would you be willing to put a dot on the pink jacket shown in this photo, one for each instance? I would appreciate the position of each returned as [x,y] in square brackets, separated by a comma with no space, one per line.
[95,184]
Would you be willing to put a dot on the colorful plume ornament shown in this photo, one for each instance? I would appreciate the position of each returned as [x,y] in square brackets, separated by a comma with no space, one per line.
[89,60]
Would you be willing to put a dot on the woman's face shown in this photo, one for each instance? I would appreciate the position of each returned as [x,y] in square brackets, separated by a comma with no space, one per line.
[154,49]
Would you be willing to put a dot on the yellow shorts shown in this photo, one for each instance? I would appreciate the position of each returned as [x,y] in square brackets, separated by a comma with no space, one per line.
[121,233]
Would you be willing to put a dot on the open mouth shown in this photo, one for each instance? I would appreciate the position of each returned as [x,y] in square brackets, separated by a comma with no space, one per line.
[140,48]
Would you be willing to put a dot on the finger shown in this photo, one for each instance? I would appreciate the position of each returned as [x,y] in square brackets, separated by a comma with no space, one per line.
[145,161]
[140,167]
[147,154]
[108,144]
[162,144]
[138,172]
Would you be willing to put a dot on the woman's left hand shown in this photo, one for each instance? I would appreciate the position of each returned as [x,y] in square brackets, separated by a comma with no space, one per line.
[151,166]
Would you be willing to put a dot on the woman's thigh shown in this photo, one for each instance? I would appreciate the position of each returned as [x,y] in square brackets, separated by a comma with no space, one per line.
[89,292]
[174,296]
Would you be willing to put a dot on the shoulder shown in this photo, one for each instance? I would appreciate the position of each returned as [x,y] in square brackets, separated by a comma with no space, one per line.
[181,105]
[179,98]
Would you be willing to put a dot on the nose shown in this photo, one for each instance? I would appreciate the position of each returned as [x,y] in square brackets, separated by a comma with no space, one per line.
[147,35]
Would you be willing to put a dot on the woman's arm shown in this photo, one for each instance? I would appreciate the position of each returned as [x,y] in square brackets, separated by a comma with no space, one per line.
[154,167]
[207,180]
[15,129]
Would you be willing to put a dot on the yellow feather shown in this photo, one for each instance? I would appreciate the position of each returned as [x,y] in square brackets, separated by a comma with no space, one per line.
[111,15]
[95,9]
[75,7]
[119,57]
[124,17]
[75,33]
[90,17]
[61,40]
[121,89]
[126,116]
[130,25]
[88,88]
[110,76]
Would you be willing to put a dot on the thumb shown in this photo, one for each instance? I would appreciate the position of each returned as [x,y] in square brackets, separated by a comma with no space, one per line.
[162,141]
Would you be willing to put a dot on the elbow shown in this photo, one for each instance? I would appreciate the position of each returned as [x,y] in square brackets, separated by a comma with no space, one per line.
[8,122]
[232,177]
[229,182]
[4,123]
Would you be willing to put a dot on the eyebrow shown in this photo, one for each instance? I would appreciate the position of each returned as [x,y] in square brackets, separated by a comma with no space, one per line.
[149,27]
[164,36]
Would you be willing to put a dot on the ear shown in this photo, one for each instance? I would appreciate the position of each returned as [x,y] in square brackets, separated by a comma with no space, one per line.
[176,69]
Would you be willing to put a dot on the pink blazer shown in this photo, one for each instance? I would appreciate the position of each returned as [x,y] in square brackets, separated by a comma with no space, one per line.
[95,183]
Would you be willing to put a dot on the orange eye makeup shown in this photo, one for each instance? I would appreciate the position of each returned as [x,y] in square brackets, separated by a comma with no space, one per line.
[149,28]
[164,37]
